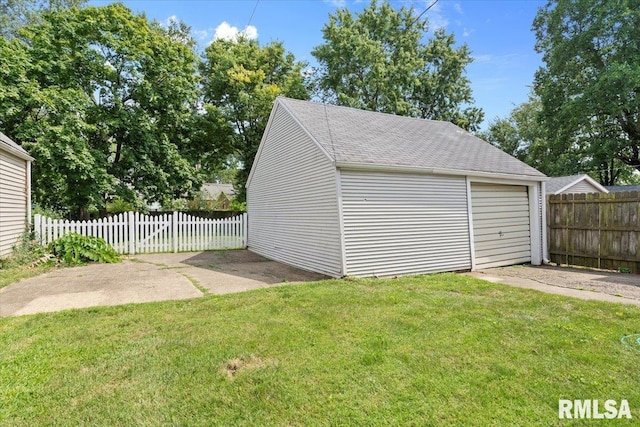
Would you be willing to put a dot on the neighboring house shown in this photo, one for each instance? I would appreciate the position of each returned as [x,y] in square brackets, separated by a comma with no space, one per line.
[15,192]
[621,188]
[221,194]
[342,191]
[574,184]
[217,195]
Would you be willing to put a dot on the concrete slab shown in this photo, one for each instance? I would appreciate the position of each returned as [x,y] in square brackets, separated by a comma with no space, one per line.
[94,285]
[572,282]
[146,278]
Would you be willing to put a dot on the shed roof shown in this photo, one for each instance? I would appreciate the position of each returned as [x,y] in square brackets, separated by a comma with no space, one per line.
[359,137]
[560,183]
[8,145]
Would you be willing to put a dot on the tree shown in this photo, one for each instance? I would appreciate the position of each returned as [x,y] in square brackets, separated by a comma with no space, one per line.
[523,136]
[105,101]
[15,14]
[241,80]
[377,61]
[589,85]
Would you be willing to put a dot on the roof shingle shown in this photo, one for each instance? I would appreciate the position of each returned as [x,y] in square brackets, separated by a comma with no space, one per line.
[364,137]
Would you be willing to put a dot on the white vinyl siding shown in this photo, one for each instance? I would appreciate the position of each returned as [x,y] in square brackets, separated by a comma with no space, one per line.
[501,224]
[292,201]
[398,224]
[13,200]
[581,187]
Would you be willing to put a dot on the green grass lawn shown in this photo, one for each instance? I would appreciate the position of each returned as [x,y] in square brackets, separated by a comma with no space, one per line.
[432,350]
[16,273]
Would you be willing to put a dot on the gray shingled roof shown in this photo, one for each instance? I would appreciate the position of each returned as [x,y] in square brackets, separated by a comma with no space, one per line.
[9,145]
[556,183]
[621,188]
[363,137]
[214,189]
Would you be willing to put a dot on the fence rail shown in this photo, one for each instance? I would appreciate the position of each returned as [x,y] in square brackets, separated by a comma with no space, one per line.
[132,232]
[595,230]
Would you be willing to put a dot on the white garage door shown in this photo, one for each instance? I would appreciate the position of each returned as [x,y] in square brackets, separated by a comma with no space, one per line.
[501,228]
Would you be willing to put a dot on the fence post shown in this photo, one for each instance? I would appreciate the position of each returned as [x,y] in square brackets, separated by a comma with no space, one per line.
[37,226]
[245,231]
[174,231]
[132,233]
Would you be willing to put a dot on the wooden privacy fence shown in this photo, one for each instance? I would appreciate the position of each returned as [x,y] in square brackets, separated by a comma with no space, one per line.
[595,230]
[132,232]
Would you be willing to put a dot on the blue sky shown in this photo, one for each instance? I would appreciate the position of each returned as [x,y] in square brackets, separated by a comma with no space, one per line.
[497,32]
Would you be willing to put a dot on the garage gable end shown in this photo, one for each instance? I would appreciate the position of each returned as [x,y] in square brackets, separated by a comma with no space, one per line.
[292,201]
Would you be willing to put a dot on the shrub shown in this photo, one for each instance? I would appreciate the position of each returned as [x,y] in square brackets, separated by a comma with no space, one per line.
[26,251]
[49,212]
[118,205]
[74,248]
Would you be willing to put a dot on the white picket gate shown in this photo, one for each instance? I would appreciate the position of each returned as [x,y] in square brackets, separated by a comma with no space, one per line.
[132,232]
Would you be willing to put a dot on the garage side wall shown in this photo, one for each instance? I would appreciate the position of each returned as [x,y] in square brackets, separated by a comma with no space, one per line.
[399,224]
[13,200]
[292,201]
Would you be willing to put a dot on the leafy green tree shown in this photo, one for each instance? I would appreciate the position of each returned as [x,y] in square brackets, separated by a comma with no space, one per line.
[589,84]
[378,61]
[15,14]
[240,81]
[105,101]
[523,136]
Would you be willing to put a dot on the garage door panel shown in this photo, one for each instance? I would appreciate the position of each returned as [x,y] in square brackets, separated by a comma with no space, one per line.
[501,228]
[488,243]
[497,216]
[515,252]
[512,208]
[516,229]
[489,263]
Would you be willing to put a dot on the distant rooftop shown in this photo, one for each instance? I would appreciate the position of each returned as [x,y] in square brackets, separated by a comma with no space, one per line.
[621,188]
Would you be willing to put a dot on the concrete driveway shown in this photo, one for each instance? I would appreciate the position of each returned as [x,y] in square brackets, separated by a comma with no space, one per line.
[572,282]
[146,278]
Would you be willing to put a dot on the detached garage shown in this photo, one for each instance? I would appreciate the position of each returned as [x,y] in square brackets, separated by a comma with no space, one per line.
[342,191]
[15,192]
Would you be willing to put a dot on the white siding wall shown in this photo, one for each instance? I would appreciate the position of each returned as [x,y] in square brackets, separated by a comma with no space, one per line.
[13,200]
[581,187]
[292,201]
[397,224]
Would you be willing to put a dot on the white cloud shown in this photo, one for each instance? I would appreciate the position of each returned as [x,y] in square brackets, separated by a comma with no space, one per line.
[466,32]
[173,19]
[201,34]
[458,8]
[337,3]
[225,31]
[437,20]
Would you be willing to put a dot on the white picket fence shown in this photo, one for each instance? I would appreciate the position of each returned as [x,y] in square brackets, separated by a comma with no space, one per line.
[132,232]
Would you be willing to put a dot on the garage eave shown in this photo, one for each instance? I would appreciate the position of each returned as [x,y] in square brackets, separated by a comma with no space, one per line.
[374,167]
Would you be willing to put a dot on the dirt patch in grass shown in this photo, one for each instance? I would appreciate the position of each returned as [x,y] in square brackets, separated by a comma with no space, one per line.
[243,363]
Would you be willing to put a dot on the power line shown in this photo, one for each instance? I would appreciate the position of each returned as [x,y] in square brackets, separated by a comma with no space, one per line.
[424,11]
[253,12]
